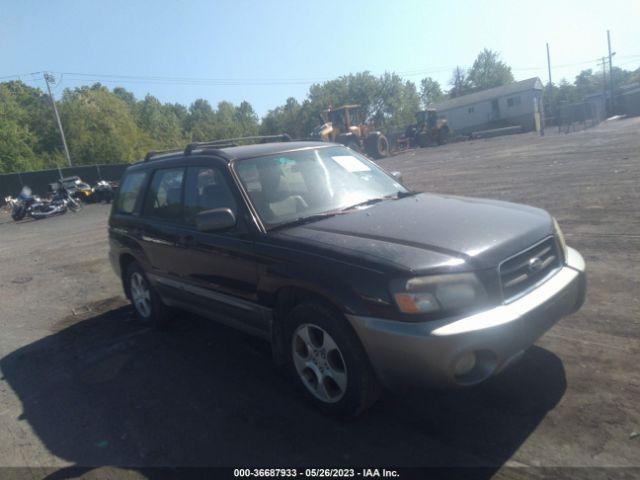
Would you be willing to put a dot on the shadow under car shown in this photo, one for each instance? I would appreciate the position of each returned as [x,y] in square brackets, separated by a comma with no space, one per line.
[109,390]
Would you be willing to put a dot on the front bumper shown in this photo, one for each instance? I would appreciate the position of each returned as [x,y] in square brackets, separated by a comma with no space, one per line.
[427,353]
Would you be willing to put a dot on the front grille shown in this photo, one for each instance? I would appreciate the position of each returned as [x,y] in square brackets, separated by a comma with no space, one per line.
[522,271]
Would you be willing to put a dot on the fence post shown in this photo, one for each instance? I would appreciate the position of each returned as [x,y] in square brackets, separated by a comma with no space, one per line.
[99,174]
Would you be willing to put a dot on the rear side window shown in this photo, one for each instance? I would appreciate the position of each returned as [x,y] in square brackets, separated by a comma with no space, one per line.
[129,191]
[164,198]
[206,189]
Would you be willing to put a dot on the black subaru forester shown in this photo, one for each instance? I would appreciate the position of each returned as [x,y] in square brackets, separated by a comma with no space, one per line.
[355,281]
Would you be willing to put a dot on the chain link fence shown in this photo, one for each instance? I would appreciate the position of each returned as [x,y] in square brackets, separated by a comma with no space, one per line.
[577,116]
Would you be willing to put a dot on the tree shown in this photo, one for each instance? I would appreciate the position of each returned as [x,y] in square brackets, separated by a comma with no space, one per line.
[288,118]
[126,96]
[36,115]
[459,83]
[247,119]
[360,88]
[201,121]
[395,104]
[388,101]
[16,141]
[488,71]
[159,122]
[430,91]
[99,127]
[226,124]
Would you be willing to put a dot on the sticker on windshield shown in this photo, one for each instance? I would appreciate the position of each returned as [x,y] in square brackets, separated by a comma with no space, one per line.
[351,163]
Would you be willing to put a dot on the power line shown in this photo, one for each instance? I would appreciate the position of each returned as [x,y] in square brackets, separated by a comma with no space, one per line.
[238,81]
[19,75]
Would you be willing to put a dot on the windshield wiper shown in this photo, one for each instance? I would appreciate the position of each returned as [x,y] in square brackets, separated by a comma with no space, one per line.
[307,219]
[371,201]
[408,193]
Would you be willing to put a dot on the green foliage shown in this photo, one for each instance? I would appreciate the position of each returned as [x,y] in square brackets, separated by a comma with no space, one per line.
[159,122]
[388,102]
[104,126]
[459,83]
[36,115]
[201,121]
[288,118]
[16,141]
[430,92]
[100,127]
[488,71]
[247,119]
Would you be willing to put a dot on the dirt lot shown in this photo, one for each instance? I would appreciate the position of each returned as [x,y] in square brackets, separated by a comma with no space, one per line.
[84,384]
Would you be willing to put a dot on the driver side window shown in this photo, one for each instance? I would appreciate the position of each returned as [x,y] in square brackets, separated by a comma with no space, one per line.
[206,189]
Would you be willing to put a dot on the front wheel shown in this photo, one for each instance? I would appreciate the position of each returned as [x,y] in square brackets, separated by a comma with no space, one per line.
[18,212]
[328,362]
[377,146]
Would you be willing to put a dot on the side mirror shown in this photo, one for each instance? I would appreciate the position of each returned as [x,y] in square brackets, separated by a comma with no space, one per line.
[397,176]
[215,220]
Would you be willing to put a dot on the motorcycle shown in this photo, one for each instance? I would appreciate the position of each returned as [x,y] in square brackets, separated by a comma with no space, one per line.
[60,202]
[77,189]
[23,204]
[103,192]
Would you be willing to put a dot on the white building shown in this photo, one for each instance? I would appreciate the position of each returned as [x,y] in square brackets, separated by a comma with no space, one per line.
[519,103]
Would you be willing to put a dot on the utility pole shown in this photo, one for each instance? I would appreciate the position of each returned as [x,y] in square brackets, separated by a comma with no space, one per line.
[604,84]
[549,64]
[611,54]
[542,110]
[50,78]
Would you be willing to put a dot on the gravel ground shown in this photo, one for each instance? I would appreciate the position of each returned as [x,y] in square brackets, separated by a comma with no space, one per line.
[84,384]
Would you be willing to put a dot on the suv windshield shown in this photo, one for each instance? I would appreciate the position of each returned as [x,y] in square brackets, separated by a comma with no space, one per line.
[288,187]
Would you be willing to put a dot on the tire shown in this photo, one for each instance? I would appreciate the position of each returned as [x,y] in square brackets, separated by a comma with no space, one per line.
[377,146]
[155,312]
[443,135]
[18,213]
[424,140]
[74,205]
[327,361]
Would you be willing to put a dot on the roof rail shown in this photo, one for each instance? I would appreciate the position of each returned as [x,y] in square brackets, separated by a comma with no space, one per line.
[154,153]
[233,142]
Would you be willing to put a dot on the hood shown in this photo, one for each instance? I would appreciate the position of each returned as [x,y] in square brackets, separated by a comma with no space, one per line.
[426,232]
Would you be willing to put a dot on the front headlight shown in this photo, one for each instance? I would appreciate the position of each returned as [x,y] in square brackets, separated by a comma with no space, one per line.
[438,292]
[560,237]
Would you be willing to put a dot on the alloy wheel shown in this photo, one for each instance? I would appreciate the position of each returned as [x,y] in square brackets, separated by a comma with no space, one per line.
[319,363]
[140,295]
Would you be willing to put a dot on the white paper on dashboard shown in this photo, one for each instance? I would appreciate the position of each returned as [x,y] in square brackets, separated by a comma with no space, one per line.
[351,163]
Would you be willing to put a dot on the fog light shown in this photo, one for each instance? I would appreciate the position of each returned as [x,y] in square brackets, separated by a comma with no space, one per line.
[465,364]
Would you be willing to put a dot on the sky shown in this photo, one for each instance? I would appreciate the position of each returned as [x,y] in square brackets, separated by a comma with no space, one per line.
[266,51]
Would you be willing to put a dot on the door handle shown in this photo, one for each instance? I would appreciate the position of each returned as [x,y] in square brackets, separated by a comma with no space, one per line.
[186,240]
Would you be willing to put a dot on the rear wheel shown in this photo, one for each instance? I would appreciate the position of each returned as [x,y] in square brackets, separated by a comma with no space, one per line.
[146,302]
[74,204]
[328,362]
